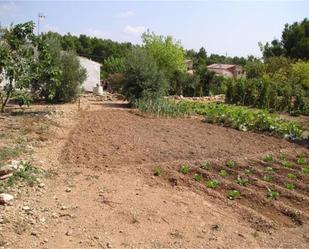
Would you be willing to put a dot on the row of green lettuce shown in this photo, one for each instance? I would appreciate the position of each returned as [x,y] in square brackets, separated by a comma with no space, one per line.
[237,117]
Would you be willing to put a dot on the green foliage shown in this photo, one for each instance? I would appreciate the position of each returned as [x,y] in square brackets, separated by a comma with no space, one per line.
[294,42]
[301,161]
[27,173]
[230,164]
[158,171]
[161,107]
[143,79]
[267,178]
[269,169]
[305,170]
[290,186]
[223,173]
[292,176]
[212,184]
[287,164]
[248,171]
[198,177]
[233,194]
[23,99]
[268,158]
[205,165]
[17,55]
[237,117]
[272,194]
[242,181]
[184,169]
[168,54]
[113,65]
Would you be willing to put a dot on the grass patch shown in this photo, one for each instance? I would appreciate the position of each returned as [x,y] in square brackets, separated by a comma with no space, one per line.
[287,164]
[7,153]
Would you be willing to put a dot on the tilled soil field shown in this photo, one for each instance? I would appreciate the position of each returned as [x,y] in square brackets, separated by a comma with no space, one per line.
[117,179]
[120,140]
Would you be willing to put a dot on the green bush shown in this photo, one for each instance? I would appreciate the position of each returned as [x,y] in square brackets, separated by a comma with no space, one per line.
[143,79]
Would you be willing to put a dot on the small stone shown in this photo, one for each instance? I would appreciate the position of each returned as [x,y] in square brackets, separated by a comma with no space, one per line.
[63,208]
[26,208]
[108,245]
[41,185]
[35,233]
[45,240]
[68,190]
[6,198]
[69,233]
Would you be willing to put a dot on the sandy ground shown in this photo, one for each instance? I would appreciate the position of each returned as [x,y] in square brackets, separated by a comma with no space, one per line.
[103,193]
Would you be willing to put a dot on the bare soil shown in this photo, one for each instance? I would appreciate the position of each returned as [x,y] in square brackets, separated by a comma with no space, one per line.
[104,194]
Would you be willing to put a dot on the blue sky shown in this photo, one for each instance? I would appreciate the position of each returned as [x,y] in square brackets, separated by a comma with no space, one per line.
[232,27]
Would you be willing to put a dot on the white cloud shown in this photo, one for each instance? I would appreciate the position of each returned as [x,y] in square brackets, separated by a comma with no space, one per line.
[127,13]
[7,8]
[137,30]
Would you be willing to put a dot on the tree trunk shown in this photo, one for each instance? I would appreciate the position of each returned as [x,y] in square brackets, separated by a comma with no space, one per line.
[3,104]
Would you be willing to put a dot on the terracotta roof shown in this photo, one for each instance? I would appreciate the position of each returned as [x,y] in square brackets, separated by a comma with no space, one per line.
[221,66]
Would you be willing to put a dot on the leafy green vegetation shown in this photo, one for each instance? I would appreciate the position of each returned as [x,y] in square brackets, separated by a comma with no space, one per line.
[233,194]
[223,173]
[198,177]
[305,170]
[267,178]
[248,171]
[268,158]
[184,169]
[287,164]
[230,164]
[205,165]
[292,176]
[301,161]
[212,184]
[272,194]
[158,171]
[290,186]
[242,181]
[9,152]
[269,169]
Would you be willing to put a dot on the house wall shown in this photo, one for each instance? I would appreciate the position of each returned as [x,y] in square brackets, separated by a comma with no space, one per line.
[93,73]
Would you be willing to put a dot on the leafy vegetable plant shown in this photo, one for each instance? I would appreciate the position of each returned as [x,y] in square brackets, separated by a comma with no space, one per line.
[233,194]
[185,169]
[223,173]
[212,184]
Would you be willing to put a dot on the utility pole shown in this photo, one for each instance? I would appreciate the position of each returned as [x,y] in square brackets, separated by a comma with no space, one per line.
[40,17]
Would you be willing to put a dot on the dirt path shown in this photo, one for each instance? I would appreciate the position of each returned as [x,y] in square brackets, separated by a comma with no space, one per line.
[106,196]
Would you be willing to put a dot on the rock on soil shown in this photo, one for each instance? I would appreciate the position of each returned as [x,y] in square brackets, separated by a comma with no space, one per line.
[6,198]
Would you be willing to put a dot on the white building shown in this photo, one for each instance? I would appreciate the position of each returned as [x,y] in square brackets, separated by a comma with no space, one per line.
[93,73]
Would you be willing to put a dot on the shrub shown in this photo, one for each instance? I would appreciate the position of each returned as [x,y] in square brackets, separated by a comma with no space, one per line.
[290,186]
[272,194]
[143,79]
[71,79]
[158,171]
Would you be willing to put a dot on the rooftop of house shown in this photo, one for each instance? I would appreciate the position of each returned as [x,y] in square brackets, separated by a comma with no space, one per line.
[221,66]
